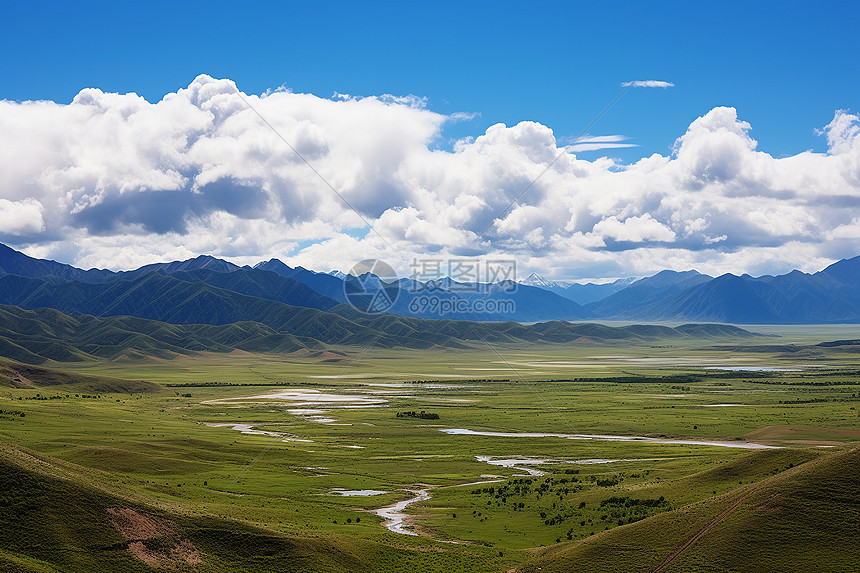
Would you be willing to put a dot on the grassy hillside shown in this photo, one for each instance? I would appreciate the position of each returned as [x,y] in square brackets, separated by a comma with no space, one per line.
[34,336]
[53,520]
[16,375]
[803,518]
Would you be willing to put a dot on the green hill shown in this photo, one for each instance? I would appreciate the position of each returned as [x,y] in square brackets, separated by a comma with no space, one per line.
[17,375]
[54,518]
[802,519]
[34,336]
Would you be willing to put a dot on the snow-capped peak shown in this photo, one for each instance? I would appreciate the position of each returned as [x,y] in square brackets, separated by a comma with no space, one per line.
[536,280]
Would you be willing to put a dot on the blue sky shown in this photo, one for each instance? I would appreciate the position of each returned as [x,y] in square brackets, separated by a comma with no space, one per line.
[764,109]
[786,66]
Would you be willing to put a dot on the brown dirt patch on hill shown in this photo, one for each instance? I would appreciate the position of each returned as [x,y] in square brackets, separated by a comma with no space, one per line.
[154,540]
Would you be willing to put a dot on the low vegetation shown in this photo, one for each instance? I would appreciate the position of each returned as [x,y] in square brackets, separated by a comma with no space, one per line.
[802,518]
[229,462]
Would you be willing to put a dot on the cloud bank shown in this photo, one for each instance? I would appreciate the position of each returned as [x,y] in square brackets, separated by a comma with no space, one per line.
[114,181]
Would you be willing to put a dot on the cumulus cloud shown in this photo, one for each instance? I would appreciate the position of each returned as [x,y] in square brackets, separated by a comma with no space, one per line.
[648,84]
[21,217]
[112,180]
[634,229]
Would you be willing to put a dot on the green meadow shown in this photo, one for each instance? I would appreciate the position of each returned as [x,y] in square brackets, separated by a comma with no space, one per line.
[241,456]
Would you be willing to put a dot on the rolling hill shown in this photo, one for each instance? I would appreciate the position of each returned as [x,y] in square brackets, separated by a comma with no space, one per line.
[802,519]
[17,375]
[36,336]
[59,516]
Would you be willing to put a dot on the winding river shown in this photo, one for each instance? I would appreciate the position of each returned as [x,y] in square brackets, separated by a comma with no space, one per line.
[394,515]
[610,438]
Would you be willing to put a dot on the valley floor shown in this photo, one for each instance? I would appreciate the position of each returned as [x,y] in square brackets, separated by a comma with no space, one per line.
[699,456]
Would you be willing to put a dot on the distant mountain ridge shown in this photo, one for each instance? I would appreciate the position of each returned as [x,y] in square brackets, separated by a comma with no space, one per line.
[537,280]
[419,299]
[646,291]
[209,290]
[203,262]
[13,262]
[184,297]
[831,295]
[325,284]
[580,293]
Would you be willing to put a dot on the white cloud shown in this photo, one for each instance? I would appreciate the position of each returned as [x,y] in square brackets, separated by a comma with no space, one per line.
[848,231]
[463,116]
[596,143]
[21,217]
[634,229]
[112,180]
[648,84]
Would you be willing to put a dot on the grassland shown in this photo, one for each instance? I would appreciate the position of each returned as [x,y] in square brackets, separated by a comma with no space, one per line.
[156,437]
[801,519]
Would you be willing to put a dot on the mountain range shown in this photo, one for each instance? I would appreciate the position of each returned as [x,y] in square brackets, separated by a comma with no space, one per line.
[831,295]
[53,311]
[207,290]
